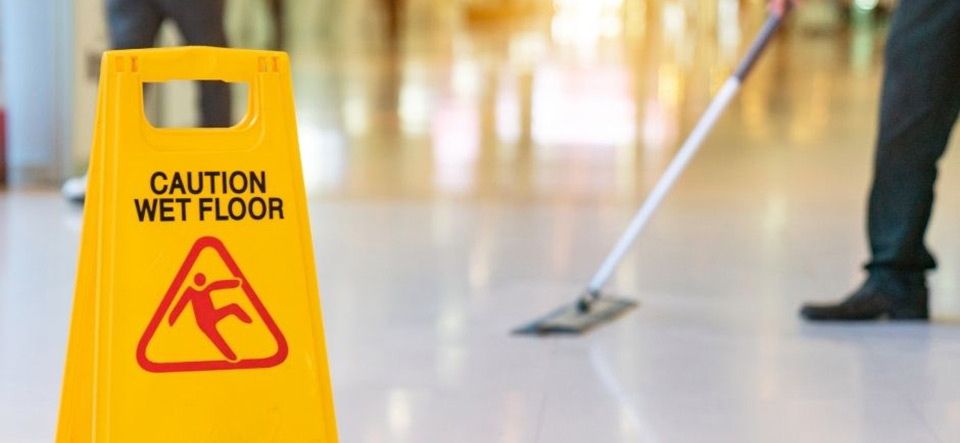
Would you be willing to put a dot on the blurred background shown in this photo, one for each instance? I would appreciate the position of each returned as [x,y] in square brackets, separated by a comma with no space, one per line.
[468,164]
[463,97]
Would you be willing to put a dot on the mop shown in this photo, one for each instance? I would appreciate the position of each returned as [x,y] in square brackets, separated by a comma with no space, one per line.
[592,307]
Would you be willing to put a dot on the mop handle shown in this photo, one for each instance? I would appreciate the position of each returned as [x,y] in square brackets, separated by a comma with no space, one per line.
[686,152]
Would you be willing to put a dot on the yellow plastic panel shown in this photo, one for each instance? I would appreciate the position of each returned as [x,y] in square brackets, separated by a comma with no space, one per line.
[196,316]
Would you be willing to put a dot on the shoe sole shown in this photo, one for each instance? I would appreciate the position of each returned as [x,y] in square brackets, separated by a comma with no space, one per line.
[889,316]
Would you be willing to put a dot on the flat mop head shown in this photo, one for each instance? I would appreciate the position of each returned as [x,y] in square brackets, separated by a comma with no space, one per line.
[579,317]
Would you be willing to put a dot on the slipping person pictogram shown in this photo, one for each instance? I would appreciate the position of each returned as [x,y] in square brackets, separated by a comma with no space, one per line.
[208,316]
[193,286]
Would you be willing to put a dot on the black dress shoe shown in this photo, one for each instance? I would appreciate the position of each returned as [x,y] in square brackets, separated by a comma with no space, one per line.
[878,298]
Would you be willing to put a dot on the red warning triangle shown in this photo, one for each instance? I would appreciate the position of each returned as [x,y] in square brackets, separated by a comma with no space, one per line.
[196,295]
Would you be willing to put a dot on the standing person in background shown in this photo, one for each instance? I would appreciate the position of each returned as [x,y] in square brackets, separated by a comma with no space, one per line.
[920,101]
[134,24]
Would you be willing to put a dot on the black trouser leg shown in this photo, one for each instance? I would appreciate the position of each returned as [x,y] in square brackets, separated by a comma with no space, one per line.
[133,24]
[201,23]
[919,104]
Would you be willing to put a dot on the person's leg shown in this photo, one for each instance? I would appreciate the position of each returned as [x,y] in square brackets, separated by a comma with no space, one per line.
[133,24]
[234,310]
[201,23]
[919,105]
[210,330]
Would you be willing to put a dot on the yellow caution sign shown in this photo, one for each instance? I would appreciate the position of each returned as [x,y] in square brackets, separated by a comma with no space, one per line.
[196,316]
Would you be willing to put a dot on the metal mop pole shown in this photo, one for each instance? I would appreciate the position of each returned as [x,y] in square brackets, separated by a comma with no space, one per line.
[680,161]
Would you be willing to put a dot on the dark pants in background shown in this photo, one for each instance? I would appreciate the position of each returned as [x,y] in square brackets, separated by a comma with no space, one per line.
[135,24]
[919,105]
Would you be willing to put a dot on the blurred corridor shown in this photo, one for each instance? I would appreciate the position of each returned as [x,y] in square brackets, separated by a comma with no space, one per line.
[566,101]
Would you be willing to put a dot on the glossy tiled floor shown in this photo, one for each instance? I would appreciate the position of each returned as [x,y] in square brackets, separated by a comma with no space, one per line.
[474,180]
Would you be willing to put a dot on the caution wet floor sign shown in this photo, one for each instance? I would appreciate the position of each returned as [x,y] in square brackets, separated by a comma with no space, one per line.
[196,316]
